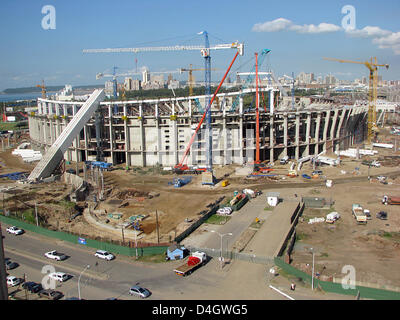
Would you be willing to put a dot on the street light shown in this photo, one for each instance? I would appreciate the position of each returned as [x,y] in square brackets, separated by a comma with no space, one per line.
[312,276]
[79,288]
[222,235]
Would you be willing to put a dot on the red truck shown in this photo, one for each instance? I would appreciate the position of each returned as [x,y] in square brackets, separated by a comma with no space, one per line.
[390,200]
[194,261]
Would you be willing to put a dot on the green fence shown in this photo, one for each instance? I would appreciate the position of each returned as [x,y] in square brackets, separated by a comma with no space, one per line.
[127,251]
[364,292]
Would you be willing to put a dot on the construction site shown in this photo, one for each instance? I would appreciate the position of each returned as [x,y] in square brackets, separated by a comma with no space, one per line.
[145,171]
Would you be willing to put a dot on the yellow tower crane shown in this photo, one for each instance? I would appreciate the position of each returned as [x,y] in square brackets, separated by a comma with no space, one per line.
[372,65]
[191,77]
[42,86]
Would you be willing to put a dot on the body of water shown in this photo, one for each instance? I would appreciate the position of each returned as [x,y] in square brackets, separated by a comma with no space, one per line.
[21,96]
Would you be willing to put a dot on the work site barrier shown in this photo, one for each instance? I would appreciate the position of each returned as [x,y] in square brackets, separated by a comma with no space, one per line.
[232,255]
[361,291]
[76,239]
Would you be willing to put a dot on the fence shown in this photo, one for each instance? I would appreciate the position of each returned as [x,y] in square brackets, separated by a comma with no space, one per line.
[363,292]
[216,253]
[196,224]
[76,239]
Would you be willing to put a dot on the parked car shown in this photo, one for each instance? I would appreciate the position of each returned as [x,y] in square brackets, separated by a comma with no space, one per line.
[50,294]
[32,287]
[55,255]
[13,281]
[139,291]
[382,215]
[11,265]
[104,255]
[15,230]
[59,276]
[316,172]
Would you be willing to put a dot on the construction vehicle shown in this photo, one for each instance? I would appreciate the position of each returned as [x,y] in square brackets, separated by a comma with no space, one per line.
[194,261]
[390,200]
[359,214]
[372,65]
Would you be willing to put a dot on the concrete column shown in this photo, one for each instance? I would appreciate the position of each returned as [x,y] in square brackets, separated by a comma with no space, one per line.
[225,133]
[241,139]
[337,136]
[142,137]
[332,133]
[241,104]
[285,134]
[110,117]
[316,133]
[297,137]
[190,108]
[85,136]
[127,138]
[271,138]
[325,135]
[271,102]
[308,129]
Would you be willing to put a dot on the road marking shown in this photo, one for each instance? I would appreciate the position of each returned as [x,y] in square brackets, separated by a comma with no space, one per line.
[282,293]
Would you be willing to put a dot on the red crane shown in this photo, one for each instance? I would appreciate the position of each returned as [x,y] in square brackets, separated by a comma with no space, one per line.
[181,165]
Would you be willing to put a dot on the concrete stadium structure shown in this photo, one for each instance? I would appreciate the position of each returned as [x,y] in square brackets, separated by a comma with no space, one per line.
[157,131]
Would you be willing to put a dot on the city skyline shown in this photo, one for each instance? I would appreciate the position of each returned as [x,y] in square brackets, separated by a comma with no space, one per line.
[298,34]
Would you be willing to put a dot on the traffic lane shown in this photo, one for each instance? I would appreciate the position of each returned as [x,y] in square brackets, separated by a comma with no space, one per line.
[99,289]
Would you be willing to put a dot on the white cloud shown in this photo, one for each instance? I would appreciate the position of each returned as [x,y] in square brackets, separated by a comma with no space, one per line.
[272,26]
[285,24]
[368,31]
[321,28]
[391,41]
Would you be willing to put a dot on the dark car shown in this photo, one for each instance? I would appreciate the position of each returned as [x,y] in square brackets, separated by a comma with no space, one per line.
[382,215]
[11,265]
[50,294]
[32,287]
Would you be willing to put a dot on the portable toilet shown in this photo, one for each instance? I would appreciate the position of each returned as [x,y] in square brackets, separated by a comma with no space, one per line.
[273,198]
[175,252]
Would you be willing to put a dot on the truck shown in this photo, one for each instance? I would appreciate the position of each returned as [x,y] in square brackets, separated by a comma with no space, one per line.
[358,213]
[390,200]
[194,261]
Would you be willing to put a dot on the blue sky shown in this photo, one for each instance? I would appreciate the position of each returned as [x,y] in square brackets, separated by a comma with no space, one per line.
[291,29]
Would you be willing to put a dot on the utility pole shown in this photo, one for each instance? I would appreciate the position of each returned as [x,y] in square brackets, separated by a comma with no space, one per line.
[158,235]
[3,283]
[36,214]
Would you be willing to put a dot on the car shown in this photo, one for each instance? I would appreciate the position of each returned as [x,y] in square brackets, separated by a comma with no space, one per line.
[15,230]
[32,287]
[11,265]
[50,294]
[55,255]
[13,281]
[382,215]
[139,291]
[59,276]
[104,255]
[316,172]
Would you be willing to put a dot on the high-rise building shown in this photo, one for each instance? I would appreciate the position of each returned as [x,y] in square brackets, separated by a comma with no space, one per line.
[146,76]
[109,87]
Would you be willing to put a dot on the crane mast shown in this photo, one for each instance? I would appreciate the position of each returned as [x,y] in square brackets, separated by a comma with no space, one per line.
[372,66]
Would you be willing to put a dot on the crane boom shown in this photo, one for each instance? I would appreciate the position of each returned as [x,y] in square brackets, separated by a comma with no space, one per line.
[233,45]
[181,164]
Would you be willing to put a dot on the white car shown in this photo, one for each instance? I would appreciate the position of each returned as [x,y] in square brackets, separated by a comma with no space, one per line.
[15,230]
[13,281]
[59,276]
[55,255]
[104,255]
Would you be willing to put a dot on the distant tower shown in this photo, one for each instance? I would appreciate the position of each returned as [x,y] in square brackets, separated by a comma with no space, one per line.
[146,76]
